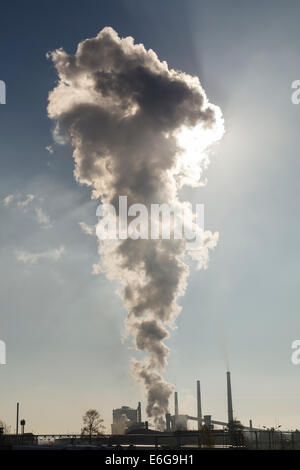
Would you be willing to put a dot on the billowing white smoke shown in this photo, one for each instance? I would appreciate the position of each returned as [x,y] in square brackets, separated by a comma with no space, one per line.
[141,130]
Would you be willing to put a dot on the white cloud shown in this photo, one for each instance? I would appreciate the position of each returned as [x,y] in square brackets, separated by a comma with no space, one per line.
[22,202]
[33,258]
[89,229]
[42,218]
[97,269]
[18,199]
[28,199]
[49,148]
[8,199]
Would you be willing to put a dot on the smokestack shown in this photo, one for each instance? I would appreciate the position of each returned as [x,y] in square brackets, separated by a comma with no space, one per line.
[139,412]
[229,399]
[17,423]
[176,404]
[199,410]
[168,422]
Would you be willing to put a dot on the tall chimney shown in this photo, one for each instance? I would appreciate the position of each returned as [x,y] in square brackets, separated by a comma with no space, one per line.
[168,422]
[17,423]
[229,399]
[139,412]
[176,403]
[199,409]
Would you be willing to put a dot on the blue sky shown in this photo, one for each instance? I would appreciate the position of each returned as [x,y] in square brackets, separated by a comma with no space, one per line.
[61,324]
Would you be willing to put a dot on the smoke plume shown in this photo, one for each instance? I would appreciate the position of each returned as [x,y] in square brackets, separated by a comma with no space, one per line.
[142,130]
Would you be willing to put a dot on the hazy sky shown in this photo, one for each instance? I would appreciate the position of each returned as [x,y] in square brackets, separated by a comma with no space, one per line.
[62,325]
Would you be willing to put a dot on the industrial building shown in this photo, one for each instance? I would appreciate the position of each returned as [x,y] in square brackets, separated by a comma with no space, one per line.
[126,418]
[179,422]
[129,431]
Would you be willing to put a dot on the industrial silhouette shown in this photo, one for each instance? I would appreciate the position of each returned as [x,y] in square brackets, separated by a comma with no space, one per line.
[126,419]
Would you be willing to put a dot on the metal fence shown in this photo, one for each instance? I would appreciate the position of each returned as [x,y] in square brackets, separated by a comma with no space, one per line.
[212,439]
[270,439]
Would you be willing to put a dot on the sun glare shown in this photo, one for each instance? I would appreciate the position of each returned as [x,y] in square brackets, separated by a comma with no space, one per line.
[194,144]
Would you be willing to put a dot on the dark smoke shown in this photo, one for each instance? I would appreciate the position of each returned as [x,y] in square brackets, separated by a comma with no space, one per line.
[122,110]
